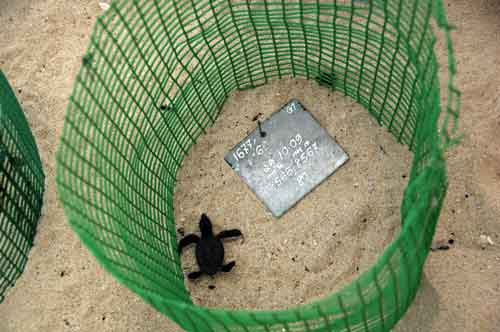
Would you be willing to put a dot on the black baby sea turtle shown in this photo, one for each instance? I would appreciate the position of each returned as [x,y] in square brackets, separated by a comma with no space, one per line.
[209,249]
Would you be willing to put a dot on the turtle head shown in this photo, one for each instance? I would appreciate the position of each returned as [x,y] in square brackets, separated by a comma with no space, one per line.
[205,226]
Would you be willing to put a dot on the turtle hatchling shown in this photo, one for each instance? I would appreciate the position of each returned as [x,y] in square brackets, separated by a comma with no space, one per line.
[209,249]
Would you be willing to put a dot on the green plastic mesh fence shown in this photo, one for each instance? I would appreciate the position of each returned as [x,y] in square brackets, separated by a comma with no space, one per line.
[155,76]
[21,188]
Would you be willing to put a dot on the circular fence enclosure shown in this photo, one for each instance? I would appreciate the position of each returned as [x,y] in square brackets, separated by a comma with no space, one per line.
[21,188]
[154,78]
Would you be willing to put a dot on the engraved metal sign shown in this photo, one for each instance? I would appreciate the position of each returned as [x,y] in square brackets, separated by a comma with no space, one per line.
[286,157]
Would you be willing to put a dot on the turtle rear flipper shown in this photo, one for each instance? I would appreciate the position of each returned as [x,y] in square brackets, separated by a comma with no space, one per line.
[228,267]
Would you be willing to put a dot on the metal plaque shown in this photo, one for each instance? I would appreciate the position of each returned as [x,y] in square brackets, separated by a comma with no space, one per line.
[286,157]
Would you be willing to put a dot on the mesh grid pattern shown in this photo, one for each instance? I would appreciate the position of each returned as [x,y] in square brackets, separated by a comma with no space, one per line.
[155,77]
[21,188]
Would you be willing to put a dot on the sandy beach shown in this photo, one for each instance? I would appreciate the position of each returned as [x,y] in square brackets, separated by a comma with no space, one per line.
[281,262]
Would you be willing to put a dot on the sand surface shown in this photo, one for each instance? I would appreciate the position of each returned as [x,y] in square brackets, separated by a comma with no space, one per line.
[64,289]
[327,239]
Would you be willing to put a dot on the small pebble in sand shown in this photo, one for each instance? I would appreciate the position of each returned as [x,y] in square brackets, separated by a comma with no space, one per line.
[485,241]
[440,245]
[211,287]
[104,5]
[255,118]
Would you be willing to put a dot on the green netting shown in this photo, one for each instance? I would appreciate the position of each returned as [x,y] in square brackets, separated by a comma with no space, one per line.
[155,76]
[21,188]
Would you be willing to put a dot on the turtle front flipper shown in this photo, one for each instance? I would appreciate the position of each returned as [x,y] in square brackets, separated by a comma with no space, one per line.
[189,239]
[194,275]
[228,234]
